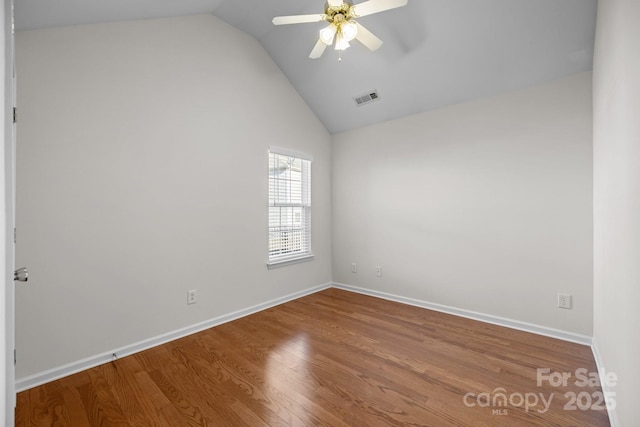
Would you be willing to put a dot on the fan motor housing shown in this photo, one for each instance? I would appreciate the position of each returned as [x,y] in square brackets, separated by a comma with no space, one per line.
[341,13]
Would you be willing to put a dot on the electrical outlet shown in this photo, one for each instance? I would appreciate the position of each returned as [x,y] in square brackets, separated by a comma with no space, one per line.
[192,296]
[564,301]
[379,271]
[354,267]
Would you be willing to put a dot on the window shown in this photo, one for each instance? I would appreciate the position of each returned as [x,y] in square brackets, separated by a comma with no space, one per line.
[289,206]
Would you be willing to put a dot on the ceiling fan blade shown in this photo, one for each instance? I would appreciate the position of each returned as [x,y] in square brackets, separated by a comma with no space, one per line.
[367,38]
[318,50]
[298,19]
[336,3]
[374,6]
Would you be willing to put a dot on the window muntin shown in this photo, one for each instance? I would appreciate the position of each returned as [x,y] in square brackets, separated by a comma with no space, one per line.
[289,207]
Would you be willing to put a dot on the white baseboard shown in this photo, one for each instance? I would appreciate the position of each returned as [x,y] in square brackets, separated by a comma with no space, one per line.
[606,389]
[482,317]
[90,362]
[40,378]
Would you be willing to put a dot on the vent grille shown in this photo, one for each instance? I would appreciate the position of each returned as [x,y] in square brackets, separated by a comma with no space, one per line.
[367,98]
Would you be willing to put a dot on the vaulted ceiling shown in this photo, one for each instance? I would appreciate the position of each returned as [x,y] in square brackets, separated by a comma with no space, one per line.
[435,52]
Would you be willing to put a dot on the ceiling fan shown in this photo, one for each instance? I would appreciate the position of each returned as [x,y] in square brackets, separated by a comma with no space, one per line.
[343,27]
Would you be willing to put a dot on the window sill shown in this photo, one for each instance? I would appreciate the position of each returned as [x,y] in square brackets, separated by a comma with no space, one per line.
[285,262]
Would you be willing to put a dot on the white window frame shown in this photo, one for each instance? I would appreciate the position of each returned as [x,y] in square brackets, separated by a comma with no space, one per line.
[276,204]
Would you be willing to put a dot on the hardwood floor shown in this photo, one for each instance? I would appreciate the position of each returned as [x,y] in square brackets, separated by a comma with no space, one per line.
[333,358]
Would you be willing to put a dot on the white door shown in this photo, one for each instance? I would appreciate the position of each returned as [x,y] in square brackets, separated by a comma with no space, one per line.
[6,28]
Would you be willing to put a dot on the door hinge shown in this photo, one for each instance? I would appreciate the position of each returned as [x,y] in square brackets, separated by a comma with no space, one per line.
[15,358]
[15,114]
[15,236]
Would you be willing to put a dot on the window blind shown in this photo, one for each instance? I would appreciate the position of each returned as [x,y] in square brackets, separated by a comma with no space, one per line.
[289,207]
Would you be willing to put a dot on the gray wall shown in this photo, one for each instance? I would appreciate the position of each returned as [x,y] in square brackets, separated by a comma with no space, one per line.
[484,206]
[616,80]
[142,173]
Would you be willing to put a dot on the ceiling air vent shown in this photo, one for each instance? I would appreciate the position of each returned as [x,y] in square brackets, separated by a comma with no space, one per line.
[367,98]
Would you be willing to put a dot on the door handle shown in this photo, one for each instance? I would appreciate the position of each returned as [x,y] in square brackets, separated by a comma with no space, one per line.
[21,274]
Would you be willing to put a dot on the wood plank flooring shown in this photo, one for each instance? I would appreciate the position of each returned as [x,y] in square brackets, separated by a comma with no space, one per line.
[334,358]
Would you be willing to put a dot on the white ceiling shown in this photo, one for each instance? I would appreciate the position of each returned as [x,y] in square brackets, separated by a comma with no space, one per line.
[435,52]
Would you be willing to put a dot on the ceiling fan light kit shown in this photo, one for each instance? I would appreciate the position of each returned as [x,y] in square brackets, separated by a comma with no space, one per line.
[343,27]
